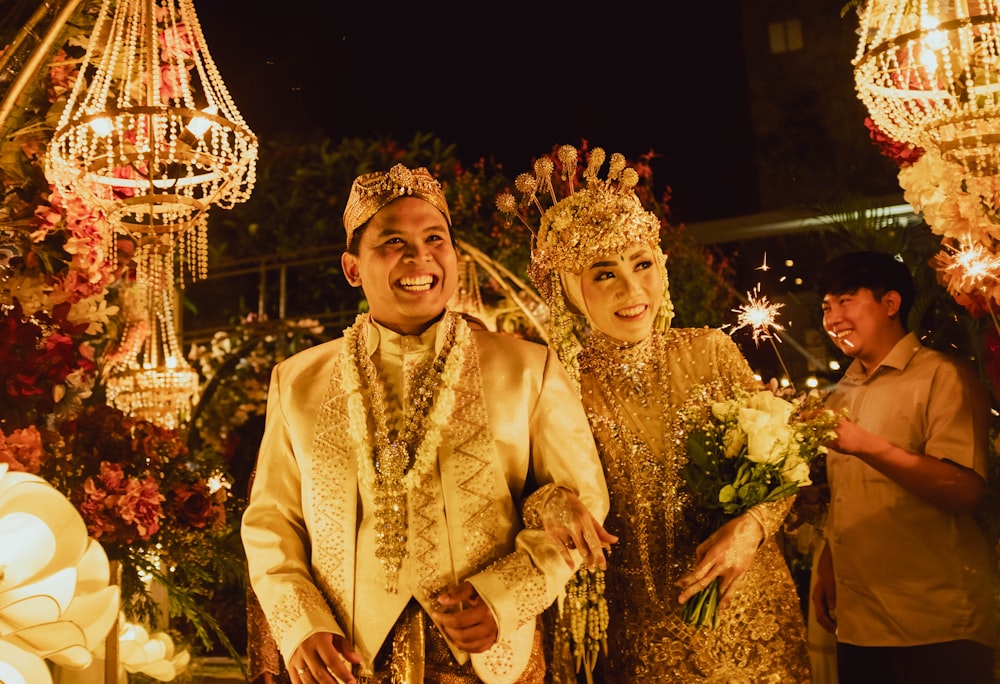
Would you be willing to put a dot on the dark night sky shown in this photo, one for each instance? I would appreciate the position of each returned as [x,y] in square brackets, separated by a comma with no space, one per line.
[504,81]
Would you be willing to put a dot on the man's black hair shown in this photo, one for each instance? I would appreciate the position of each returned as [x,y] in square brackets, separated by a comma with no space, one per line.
[876,271]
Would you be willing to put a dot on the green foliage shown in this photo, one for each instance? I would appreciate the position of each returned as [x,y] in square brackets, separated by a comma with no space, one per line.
[301,191]
[699,277]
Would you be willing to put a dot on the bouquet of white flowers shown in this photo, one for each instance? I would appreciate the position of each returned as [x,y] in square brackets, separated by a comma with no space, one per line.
[751,449]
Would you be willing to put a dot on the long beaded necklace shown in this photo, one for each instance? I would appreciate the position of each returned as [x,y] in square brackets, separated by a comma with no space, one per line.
[399,459]
[632,381]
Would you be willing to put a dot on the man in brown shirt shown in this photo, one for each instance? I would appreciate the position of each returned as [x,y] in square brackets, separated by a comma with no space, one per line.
[905,579]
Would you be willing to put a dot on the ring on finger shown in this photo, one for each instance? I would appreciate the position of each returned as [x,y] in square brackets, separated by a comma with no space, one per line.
[301,670]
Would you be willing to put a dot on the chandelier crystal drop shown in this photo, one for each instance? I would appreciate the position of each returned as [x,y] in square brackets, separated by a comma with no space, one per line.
[929,73]
[151,379]
[150,135]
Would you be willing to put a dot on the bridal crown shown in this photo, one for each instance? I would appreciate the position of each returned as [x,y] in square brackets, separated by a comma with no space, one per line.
[602,217]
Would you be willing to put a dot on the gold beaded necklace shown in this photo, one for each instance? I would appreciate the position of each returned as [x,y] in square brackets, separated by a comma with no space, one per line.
[398,461]
[633,382]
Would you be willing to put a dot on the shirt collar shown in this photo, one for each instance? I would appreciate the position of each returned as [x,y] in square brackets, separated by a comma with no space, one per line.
[392,341]
[898,358]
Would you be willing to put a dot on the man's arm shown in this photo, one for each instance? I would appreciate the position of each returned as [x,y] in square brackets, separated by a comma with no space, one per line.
[941,482]
[276,541]
[521,585]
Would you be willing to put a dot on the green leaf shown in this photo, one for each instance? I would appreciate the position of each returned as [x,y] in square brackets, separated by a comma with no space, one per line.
[697,444]
[752,493]
[781,491]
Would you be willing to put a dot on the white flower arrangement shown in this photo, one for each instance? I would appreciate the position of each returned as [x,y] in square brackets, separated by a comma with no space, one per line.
[750,449]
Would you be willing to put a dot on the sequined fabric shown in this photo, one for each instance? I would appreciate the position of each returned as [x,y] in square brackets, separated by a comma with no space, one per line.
[632,396]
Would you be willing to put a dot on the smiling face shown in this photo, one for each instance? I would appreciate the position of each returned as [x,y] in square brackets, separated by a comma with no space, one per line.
[406,265]
[863,326]
[623,292]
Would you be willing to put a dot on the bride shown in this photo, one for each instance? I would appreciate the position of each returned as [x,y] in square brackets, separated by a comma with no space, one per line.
[597,261]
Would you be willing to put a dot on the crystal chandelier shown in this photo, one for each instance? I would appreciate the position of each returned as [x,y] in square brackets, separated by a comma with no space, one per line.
[929,73]
[150,378]
[150,135]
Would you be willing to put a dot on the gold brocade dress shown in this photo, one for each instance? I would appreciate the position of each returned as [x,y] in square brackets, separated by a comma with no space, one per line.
[632,398]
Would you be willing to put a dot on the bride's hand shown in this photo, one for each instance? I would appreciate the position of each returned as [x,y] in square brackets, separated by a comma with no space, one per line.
[726,555]
[565,517]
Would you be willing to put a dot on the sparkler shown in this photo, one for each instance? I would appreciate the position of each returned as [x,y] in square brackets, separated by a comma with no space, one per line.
[760,315]
[969,268]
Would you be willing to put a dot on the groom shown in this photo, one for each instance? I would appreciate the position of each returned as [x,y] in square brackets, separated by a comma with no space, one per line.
[384,528]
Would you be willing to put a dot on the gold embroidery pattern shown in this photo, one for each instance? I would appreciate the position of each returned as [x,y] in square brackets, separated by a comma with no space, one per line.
[388,464]
[519,574]
[475,461]
[428,529]
[292,606]
[500,657]
[327,474]
[761,635]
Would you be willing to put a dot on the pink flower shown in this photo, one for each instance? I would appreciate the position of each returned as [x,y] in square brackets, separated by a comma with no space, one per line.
[140,506]
[112,477]
[176,43]
[62,75]
[22,450]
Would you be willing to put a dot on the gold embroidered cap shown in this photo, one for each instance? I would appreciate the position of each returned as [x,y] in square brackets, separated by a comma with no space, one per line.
[372,191]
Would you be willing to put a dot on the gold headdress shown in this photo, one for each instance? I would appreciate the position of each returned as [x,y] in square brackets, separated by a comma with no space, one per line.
[602,217]
[372,191]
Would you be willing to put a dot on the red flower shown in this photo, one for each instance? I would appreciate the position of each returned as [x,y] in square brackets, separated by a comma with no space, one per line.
[140,506]
[160,445]
[37,356]
[193,504]
[903,154]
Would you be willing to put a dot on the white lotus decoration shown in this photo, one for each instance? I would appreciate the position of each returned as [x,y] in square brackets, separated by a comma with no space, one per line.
[152,655]
[55,600]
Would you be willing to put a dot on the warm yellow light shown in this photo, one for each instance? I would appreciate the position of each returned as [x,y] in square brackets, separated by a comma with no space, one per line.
[101,126]
[927,73]
[812,382]
[150,140]
[758,314]
[834,365]
[8,675]
[55,602]
[199,124]
[150,379]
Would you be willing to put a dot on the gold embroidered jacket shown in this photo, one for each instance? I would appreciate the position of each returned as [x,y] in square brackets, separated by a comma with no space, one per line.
[308,530]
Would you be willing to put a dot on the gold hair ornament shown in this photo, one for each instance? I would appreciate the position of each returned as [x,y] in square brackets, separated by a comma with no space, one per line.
[372,191]
[602,217]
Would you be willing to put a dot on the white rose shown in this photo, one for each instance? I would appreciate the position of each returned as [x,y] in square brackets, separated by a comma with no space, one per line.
[796,470]
[779,409]
[768,446]
[733,441]
[721,410]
